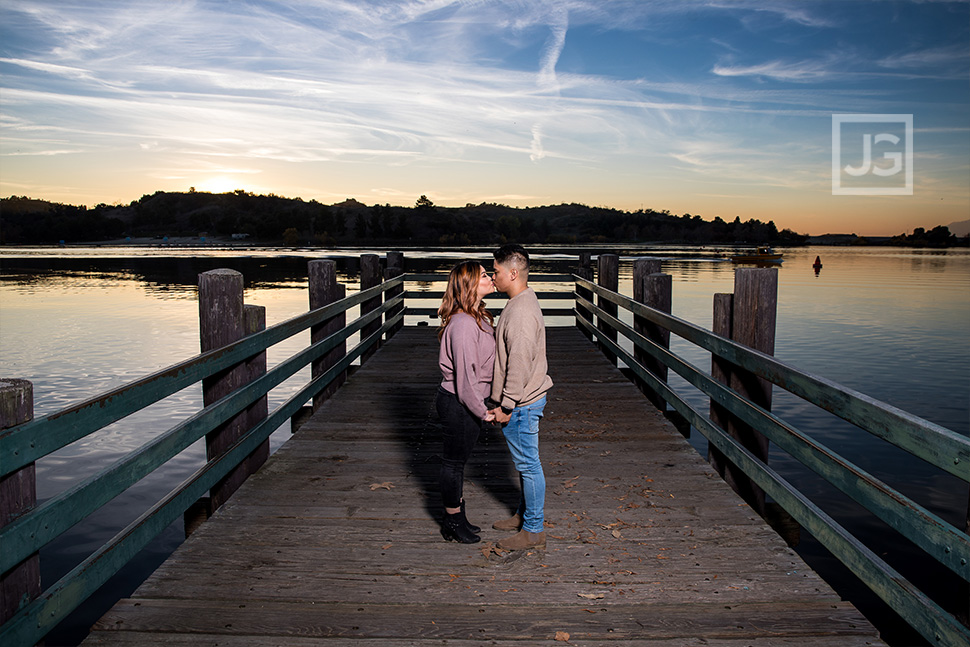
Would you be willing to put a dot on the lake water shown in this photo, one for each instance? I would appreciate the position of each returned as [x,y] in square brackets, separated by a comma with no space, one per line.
[892,323]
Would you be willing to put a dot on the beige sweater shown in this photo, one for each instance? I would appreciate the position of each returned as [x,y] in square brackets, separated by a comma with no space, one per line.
[520,376]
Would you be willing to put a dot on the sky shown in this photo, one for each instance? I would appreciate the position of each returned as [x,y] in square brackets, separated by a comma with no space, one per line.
[713,108]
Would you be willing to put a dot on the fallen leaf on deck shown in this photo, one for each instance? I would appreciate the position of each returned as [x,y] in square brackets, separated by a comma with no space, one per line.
[562,636]
[591,596]
[386,546]
[490,548]
[386,485]
[617,534]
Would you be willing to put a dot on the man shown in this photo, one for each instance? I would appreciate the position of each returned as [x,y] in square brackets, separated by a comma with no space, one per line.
[519,386]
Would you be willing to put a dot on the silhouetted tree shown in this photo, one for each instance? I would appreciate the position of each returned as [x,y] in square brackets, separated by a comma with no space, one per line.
[376,223]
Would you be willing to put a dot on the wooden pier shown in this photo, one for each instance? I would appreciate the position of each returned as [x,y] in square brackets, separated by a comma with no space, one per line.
[335,540]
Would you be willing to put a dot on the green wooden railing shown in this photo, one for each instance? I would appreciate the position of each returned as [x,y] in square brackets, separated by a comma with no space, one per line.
[937,445]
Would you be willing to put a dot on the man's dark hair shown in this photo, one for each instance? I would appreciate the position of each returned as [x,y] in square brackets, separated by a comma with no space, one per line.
[514,255]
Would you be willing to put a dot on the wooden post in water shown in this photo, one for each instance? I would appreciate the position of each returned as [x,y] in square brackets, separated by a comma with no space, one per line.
[750,316]
[720,371]
[324,290]
[395,268]
[222,321]
[608,276]
[653,289]
[370,276]
[585,270]
[255,321]
[18,495]
[965,614]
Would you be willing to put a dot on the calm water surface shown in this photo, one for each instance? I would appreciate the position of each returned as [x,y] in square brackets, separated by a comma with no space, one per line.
[891,323]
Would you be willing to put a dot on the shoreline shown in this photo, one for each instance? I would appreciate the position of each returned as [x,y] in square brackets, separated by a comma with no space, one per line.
[195,242]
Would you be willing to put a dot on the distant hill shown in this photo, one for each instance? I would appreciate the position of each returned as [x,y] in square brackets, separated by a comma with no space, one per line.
[960,228]
[271,219]
[24,220]
[18,205]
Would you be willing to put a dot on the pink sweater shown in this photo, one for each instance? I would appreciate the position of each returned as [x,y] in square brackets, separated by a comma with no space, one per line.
[466,359]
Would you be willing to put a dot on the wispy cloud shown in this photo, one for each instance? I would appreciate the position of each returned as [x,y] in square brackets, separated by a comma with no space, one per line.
[942,62]
[796,71]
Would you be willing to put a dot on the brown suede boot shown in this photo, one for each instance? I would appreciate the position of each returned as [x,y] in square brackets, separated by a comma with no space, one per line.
[523,540]
[512,523]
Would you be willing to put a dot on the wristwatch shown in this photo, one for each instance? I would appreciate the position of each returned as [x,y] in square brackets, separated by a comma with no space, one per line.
[507,410]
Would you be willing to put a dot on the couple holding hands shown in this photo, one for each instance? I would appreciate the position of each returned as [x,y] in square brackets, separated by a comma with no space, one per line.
[492,375]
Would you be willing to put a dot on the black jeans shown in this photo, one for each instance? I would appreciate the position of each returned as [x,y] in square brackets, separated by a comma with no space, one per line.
[460,431]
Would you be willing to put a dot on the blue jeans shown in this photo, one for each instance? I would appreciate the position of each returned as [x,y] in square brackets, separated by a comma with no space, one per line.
[522,435]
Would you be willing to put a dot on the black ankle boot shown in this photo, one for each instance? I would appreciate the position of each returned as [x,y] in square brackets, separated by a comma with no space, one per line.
[453,528]
[468,524]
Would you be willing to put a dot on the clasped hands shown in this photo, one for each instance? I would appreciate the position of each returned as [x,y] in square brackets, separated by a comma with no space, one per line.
[497,415]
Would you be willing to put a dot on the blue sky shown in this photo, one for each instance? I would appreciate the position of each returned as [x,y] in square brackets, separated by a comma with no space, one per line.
[714,108]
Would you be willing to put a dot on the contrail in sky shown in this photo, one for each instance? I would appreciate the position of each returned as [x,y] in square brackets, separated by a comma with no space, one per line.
[547,70]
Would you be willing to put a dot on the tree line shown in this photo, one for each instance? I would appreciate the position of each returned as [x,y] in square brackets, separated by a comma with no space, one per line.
[272,219]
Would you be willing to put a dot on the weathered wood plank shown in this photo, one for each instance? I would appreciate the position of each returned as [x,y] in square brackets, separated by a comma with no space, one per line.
[484,622]
[205,640]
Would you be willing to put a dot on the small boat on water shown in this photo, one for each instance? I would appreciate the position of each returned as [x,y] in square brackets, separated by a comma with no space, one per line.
[761,255]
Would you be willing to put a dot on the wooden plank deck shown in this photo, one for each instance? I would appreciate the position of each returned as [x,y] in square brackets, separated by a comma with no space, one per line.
[335,542]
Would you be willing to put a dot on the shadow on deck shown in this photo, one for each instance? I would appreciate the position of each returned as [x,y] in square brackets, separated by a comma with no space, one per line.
[335,540]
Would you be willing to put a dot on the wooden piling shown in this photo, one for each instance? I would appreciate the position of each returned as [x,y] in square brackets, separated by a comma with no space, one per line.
[585,270]
[751,316]
[721,371]
[18,495]
[720,368]
[395,268]
[324,290]
[255,321]
[653,289]
[222,321]
[608,276]
[370,276]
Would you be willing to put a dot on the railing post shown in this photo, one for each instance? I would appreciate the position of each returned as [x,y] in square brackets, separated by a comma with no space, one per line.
[721,371]
[608,276]
[370,276]
[751,320]
[255,321]
[585,270]
[324,290]
[965,615]
[222,322]
[18,495]
[395,268]
[653,289]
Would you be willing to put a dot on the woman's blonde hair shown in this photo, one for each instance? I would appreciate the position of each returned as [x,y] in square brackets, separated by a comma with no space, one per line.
[461,295]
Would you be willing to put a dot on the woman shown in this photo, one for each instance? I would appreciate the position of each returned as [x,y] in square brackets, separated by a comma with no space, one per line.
[466,357]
